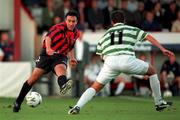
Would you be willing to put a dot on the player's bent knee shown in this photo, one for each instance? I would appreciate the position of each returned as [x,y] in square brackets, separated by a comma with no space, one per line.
[151,70]
[31,82]
[97,86]
[33,79]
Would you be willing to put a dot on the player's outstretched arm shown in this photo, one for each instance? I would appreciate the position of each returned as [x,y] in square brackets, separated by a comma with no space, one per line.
[72,59]
[49,51]
[157,44]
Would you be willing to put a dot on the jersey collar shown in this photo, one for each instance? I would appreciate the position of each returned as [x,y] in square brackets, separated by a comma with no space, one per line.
[118,24]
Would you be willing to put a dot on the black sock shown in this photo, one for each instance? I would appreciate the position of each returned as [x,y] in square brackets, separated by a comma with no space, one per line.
[24,90]
[62,80]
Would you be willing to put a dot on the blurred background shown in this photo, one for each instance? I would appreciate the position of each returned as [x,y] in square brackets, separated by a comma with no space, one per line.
[22,23]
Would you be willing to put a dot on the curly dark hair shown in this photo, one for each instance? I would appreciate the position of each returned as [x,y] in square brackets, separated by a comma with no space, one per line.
[117,16]
[72,13]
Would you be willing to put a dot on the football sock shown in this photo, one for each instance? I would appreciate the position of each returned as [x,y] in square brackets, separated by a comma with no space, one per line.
[62,80]
[86,96]
[155,86]
[120,88]
[24,90]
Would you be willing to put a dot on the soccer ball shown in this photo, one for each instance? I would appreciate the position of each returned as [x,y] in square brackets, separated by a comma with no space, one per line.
[167,93]
[33,99]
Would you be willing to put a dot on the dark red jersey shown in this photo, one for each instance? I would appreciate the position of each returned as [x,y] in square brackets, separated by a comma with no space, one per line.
[62,39]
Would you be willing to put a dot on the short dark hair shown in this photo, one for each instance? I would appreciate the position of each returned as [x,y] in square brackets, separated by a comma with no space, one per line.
[72,13]
[117,16]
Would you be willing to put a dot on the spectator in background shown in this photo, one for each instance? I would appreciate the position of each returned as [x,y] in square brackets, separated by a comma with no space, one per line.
[82,14]
[176,24]
[149,24]
[170,76]
[106,11]
[158,14]
[178,3]
[87,3]
[36,11]
[92,70]
[101,4]
[132,5]
[29,3]
[139,14]
[7,46]
[148,5]
[47,15]
[56,20]
[95,17]
[170,15]
[82,55]
[62,10]
[129,15]
[1,55]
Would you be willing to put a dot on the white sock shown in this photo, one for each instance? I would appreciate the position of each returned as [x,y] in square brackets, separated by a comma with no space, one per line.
[86,96]
[155,87]
[120,88]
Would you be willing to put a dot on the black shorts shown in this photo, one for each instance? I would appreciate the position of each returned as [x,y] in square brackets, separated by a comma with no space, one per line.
[48,63]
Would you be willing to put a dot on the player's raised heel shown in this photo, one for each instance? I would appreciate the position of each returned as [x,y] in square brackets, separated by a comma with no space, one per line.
[16,107]
[163,105]
[74,110]
[67,86]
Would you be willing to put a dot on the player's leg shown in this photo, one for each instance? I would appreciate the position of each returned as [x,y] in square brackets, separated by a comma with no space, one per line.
[86,96]
[60,66]
[139,67]
[37,72]
[64,83]
[155,87]
[89,93]
[106,74]
[154,84]
[43,64]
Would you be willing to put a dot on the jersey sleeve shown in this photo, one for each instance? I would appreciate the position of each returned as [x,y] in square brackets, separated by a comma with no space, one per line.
[141,35]
[99,49]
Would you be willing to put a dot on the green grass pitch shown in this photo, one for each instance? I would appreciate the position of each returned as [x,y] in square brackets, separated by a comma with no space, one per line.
[106,108]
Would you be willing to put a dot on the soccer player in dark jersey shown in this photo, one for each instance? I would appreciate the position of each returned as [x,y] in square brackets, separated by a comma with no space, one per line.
[58,46]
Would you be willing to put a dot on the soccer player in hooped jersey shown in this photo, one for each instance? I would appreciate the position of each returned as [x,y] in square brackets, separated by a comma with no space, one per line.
[58,46]
[116,47]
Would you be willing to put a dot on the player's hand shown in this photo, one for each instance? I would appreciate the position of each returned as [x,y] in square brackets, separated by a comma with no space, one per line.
[73,62]
[168,53]
[50,51]
[145,77]
[43,36]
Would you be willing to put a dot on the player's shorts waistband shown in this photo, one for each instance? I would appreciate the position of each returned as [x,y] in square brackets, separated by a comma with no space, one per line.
[119,54]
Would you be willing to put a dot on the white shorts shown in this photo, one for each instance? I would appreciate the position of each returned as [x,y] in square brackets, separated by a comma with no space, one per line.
[114,65]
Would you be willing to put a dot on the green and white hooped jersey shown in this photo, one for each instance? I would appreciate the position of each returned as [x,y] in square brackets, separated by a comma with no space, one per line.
[120,39]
